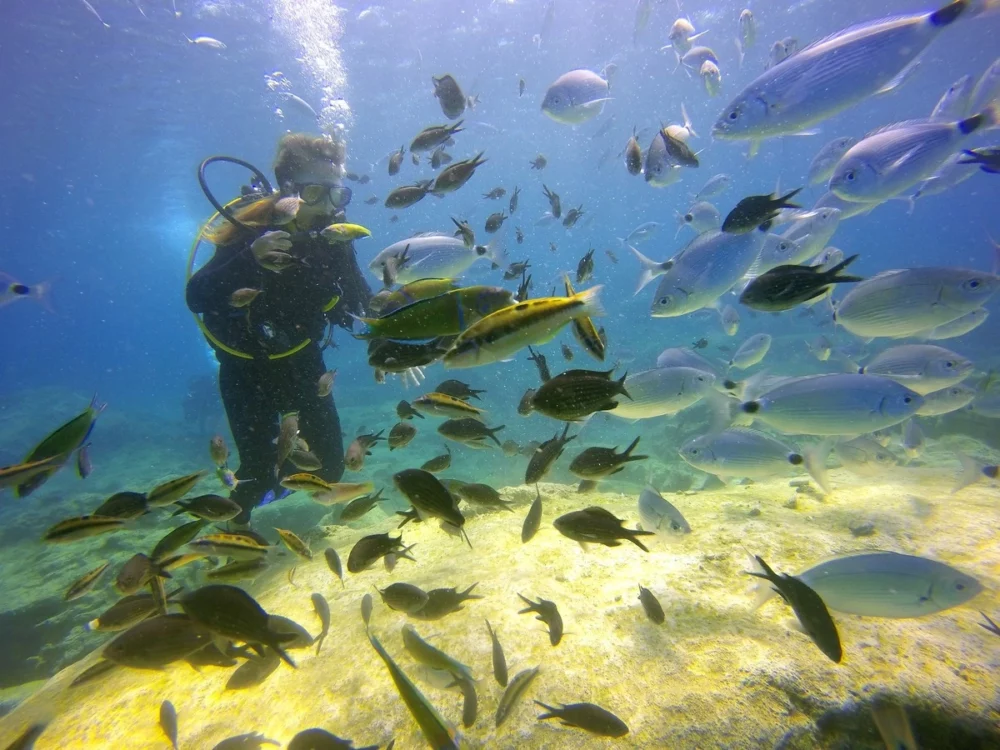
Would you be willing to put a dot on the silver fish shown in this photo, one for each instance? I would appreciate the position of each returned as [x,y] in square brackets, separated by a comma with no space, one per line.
[913,439]
[886,584]
[659,516]
[826,159]
[892,159]
[700,216]
[954,102]
[923,368]
[833,74]
[812,233]
[836,404]
[947,400]
[665,390]
[751,351]
[904,302]
[575,97]
[432,255]
[865,456]
[742,452]
[986,90]
[714,186]
[729,316]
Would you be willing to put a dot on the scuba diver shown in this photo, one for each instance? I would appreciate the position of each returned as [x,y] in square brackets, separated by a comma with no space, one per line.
[267,297]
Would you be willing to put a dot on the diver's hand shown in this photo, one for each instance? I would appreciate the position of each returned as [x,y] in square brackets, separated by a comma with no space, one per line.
[414,376]
[270,242]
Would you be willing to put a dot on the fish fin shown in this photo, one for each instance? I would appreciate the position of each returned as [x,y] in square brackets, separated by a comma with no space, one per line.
[762,591]
[650,269]
[754,148]
[902,76]
[688,126]
[972,472]
[903,159]
[815,463]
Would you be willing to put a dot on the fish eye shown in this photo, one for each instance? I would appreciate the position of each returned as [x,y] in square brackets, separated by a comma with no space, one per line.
[664,300]
[949,363]
[960,586]
[907,399]
[688,217]
[734,114]
[973,284]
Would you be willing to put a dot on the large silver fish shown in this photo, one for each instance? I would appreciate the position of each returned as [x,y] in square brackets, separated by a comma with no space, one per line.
[661,517]
[575,97]
[886,584]
[703,271]
[890,160]
[434,255]
[826,159]
[835,404]
[904,302]
[833,74]
[742,452]
[665,390]
[923,368]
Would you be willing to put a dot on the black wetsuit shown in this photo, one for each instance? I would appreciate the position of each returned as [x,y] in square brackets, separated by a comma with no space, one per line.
[289,310]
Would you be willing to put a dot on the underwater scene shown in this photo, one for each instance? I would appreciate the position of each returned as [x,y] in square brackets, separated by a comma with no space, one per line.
[500,374]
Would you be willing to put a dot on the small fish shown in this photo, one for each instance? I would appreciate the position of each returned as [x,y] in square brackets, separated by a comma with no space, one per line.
[168,722]
[322,609]
[651,606]
[173,490]
[586,716]
[438,463]
[714,186]
[345,232]
[324,387]
[295,543]
[515,690]
[700,216]
[499,660]
[575,394]
[431,137]
[585,268]
[370,549]
[573,216]
[396,160]
[407,195]
[85,583]
[512,205]
[757,210]
[554,202]
[236,546]
[597,525]
[575,97]
[243,297]
[544,457]
[597,463]
[401,434]
[546,611]
[496,193]
[826,159]
[520,87]
[81,527]
[206,41]
[404,410]
[210,507]
[449,95]
[218,451]
[83,465]
[538,162]
[404,597]
[633,155]
[611,256]
[333,562]
[785,287]
[711,77]
[808,607]
[533,520]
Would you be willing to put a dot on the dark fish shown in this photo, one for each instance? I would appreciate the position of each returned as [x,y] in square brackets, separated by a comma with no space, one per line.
[990,626]
[784,287]
[494,221]
[520,87]
[210,656]
[176,539]
[26,740]
[405,411]
[454,176]
[322,608]
[595,524]
[81,527]
[320,739]
[987,157]
[611,256]
[370,549]
[571,397]
[677,151]
[238,570]
[516,269]
[442,602]
[83,465]
[449,95]
[633,155]
[510,448]
[126,612]
[546,455]
[524,407]
[479,494]
[586,716]
[757,210]
[517,687]
[398,356]
[431,137]
[585,268]
[396,160]
[538,162]
[809,609]
[533,520]
[499,660]
[458,389]
[407,195]
[156,642]
[214,508]
[232,613]
[333,562]
[548,613]
[512,204]
[464,231]
[403,597]
[253,671]
[85,583]
[136,573]
[519,235]
[573,216]
[429,497]
[358,507]
[543,368]
[651,605]
[567,355]
[469,431]
[470,700]
[438,463]
[168,722]
[440,157]
[554,203]
[371,200]
[248,741]
[597,463]
[495,193]
[415,158]
[97,669]
[401,434]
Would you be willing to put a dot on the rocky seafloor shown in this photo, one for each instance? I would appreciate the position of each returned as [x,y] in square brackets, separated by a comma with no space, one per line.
[716,674]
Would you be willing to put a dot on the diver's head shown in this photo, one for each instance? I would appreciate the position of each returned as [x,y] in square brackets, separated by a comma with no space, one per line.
[311,167]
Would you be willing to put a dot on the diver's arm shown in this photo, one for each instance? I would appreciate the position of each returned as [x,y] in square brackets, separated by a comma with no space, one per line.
[228,270]
[355,290]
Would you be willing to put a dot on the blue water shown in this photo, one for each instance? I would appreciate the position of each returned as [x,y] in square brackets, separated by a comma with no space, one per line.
[103,129]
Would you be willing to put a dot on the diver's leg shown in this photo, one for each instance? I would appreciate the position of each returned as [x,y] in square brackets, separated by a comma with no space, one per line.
[247,396]
[319,423]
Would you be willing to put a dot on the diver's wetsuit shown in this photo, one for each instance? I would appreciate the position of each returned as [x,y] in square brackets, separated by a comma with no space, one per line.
[289,310]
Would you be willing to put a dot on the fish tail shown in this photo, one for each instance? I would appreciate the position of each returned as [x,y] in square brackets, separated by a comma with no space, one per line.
[951,12]
[688,126]
[972,472]
[551,713]
[649,269]
[631,447]
[592,307]
[762,592]
[815,463]
[493,433]
[632,538]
